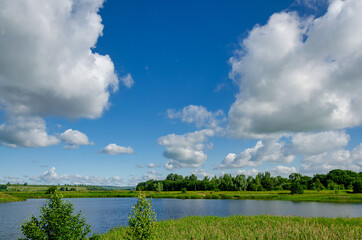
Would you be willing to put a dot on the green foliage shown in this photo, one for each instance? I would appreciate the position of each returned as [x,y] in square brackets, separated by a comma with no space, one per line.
[296,188]
[159,187]
[51,190]
[252,227]
[3,187]
[142,219]
[183,190]
[56,222]
[357,186]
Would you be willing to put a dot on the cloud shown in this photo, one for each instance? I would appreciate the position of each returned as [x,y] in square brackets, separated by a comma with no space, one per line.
[251,172]
[267,150]
[315,143]
[26,132]
[152,175]
[338,159]
[282,171]
[198,115]
[127,80]
[114,149]
[185,150]
[298,75]
[51,177]
[325,151]
[201,173]
[315,5]
[74,138]
[48,66]
[153,165]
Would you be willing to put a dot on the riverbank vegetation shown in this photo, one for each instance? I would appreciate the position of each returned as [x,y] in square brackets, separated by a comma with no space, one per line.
[251,227]
[339,186]
[343,196]
[335,180]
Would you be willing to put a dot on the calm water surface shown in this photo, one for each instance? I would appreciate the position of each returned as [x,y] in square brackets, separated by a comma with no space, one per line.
[106,213]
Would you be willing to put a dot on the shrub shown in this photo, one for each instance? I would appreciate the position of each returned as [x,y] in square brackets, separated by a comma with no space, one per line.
[142,219]
[183,190]
[296,188]
[56,222]
[51,190]
[357,186]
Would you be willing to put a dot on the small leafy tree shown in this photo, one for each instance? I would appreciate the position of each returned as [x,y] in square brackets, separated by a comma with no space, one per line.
[56,222]
[296,188]
[357,186]
[159,187]
[142,219]
[51,190]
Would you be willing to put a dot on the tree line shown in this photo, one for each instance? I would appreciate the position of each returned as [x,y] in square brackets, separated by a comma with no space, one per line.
[335,180]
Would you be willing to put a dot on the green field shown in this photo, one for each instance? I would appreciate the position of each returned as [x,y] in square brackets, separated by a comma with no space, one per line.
[343,196]
[8,198]
[252,227]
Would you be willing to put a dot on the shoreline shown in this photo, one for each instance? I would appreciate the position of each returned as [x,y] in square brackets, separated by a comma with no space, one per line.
[308,196]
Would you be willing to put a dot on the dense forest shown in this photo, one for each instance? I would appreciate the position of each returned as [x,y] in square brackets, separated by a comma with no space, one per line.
[335,180]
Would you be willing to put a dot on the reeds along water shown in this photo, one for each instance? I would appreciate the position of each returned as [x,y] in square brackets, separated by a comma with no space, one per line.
[253,227]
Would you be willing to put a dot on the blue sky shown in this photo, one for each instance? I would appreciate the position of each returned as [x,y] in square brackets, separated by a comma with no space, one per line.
[118,92]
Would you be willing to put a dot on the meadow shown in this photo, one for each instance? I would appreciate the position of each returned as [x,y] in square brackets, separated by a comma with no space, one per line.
[21,192]
[252,227]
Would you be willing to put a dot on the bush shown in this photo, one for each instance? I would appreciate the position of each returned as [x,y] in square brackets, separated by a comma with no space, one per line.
[51,190]
[56,222]
[296,188]
[142,219]
[183,190]
[357,186]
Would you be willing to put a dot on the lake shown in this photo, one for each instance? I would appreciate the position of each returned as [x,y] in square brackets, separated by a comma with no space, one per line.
[106,213]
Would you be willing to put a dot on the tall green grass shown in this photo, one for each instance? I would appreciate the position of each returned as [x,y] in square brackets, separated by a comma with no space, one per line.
[311,196]
[252,227]
[8,198]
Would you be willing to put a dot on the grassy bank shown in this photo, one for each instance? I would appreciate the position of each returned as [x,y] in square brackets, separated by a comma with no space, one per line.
[252,227]
[311,196]
[8,198]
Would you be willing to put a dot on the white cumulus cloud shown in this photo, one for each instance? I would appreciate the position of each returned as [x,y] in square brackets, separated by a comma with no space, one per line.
[26,132]
[297,74]
[74,138]
[282,171]
[114,149]
[51,177]
[315,143]
[198,115]
[267,150]
[185,150]
[48,66]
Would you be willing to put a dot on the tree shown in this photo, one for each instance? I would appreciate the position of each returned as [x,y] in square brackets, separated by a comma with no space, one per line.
[56,221]
[357,186]
[296,188]
[142,219]
[240,182]
[159,186]
[51,190]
